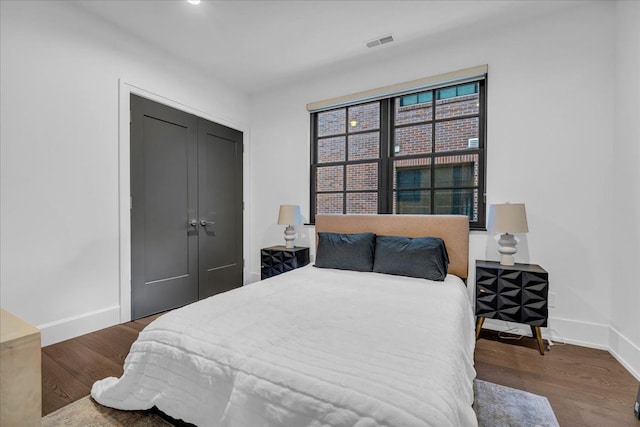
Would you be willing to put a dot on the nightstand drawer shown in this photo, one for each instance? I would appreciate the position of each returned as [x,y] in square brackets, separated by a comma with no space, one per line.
[512,293]
[516,293]
[278,259]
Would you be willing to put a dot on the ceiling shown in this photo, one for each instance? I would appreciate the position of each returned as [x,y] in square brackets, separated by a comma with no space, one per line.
[256,45]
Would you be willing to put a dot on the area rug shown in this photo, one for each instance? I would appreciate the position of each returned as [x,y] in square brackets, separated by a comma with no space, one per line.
[86,412]
[500,406]
[495,405]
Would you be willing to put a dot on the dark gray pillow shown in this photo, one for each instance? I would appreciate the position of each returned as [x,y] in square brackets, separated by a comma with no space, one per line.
[423,257]
[346,251]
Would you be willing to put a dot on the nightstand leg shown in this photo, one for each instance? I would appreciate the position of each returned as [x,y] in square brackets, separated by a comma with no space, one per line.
[535,331]
[479,323]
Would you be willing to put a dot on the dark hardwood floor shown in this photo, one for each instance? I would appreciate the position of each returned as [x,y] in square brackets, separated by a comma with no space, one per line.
[70,368]
[585,387]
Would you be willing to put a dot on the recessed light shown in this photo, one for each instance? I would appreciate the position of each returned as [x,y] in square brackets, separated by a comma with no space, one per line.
[194,1]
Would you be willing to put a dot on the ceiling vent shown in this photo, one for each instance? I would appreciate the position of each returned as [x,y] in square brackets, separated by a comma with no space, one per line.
[378,42]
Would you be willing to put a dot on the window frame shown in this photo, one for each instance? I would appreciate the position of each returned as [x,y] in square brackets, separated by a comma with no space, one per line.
[387,155]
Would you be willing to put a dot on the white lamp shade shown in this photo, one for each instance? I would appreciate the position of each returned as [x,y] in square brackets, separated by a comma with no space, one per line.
[289,215]
[507,218]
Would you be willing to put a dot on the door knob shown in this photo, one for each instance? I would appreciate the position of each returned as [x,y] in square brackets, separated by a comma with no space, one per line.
[193,223]
[205,223]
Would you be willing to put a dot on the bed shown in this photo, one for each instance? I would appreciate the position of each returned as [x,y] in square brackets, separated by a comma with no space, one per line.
[316,346]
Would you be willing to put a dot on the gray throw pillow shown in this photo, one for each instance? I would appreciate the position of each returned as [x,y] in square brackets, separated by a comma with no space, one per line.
[345,251]
[423,257]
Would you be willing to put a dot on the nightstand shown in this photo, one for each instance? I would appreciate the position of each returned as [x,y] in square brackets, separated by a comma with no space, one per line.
[515,293]
[278,259]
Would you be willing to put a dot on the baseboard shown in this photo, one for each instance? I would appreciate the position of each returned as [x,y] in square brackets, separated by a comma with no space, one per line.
[625,352]
[71,327]
[584,334]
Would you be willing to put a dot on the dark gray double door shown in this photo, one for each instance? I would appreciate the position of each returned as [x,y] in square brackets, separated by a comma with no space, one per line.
[186,208]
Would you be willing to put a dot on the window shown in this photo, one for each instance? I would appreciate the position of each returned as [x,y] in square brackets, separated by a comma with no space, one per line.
[417,153]
[449,92]
[416,98]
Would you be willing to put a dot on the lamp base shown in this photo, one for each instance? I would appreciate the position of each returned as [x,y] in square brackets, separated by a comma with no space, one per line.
[507,248]
[289,236]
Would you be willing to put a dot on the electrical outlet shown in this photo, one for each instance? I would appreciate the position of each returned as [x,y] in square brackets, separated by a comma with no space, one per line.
[552,300]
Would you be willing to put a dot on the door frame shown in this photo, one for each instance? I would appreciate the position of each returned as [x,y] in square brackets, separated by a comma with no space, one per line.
[125,89]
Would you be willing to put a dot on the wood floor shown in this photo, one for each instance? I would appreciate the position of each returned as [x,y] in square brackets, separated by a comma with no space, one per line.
[70,368]
[585,387]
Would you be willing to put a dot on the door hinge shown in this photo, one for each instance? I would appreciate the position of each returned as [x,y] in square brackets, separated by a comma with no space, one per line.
[243,148]
[130,202]
[242,262]
[130,117]
[243,205]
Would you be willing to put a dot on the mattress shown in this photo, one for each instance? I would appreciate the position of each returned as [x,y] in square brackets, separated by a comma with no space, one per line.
[312,347]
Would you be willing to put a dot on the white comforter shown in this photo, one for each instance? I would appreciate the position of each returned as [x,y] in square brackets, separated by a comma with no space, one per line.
[312,347]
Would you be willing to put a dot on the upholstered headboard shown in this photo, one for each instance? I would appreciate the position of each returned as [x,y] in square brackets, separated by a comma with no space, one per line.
[453,229]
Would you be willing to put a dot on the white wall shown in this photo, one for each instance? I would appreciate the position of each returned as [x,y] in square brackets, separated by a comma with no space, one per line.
[60,72]
[625,321]
[550,145]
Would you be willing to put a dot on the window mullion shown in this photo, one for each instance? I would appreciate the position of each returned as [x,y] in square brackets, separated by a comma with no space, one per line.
[385,180]
[432,169]
[346,158]
[314,167]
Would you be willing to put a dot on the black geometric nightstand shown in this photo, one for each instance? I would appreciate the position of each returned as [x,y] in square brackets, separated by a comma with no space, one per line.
[278,259]
[515,293]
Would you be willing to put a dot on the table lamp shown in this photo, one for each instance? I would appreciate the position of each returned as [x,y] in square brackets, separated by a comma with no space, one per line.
[507,218]
[289,215]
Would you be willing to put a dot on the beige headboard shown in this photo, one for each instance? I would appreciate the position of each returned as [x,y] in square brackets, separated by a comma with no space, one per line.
[453,229]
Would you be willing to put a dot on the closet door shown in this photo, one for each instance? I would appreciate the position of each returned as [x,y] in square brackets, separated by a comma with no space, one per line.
[164,197]
[220,208]
[186,215]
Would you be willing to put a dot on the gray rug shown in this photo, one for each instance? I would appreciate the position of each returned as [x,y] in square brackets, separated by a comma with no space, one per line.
[495,405]
[500,406]
[86,412]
